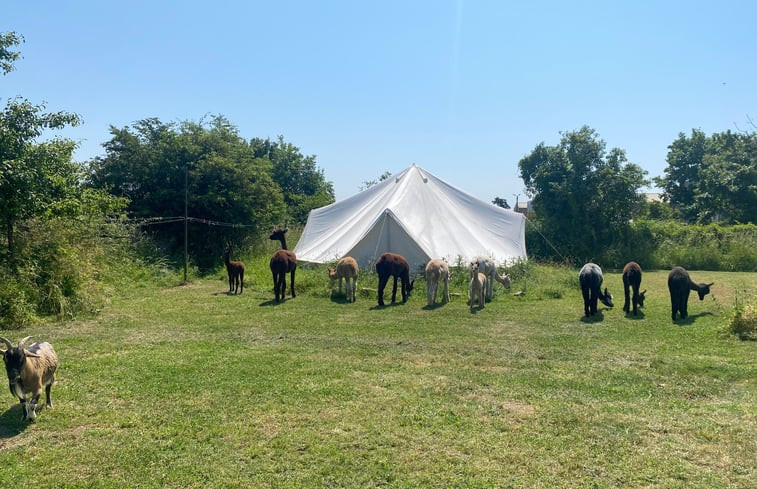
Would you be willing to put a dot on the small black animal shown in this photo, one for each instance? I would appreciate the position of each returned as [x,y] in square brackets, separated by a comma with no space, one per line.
[590,277]
[679,285]
[632,279]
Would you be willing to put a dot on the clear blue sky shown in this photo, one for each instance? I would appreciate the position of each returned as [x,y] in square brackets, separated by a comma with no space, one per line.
[464,89]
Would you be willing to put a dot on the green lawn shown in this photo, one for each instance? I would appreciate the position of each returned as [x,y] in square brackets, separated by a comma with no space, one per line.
[190,387]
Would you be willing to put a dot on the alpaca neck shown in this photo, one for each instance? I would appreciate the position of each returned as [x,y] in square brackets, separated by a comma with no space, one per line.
[283,243]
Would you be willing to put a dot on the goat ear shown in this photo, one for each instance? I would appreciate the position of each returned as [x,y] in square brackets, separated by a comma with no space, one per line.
[645,291]
[710,285]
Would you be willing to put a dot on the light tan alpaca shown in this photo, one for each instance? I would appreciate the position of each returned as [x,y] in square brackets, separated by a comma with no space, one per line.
[346,269]
[489,268]
[477,288]
[437,271]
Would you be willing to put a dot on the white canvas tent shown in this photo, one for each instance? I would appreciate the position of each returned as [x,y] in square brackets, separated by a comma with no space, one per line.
[417,215]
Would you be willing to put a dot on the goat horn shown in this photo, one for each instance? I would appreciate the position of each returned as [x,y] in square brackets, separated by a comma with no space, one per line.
[21,343]
[7,343]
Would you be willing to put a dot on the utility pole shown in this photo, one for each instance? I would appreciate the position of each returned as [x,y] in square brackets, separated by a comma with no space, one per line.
[186,220]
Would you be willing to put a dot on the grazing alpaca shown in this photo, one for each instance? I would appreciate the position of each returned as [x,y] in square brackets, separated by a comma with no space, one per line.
[235,269]
[346,269]
[487,266]
[632,279]
[590,278]
[477,287]
[282,262]
[436,271]
[679,285]
[392,264]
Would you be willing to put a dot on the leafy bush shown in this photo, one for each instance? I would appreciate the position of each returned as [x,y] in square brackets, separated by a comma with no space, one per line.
[743,321]
[15,309]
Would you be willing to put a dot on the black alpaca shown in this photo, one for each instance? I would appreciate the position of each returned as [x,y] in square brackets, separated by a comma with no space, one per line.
[632,280]
[392,264]
[590,277]
[282,262]
[679,285]
[235,270]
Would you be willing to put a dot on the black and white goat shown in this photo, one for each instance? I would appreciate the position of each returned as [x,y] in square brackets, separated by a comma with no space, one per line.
[590,277]
[28,370]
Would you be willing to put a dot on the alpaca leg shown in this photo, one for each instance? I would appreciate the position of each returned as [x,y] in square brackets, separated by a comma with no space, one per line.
[627,298]
[394,290]
[381,287]
[276,285]
[291,278]
[635,299]
[354,289]
[446,290]
[347,290]
[587,301]
[340,284]
[490,287]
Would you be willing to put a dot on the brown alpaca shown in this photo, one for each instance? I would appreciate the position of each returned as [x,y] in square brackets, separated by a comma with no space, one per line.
[282,262]
[632,279]
[235,269]
[392,264]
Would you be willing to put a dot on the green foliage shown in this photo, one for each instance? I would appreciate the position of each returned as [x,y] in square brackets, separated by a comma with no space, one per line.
[8,57]
[712,178]
[743,321]
[302,183]
[582,196]
[34,177]
[16,311]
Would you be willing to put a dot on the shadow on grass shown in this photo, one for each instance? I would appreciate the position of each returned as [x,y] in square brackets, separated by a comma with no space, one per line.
[639,315]
[272,302]
[386,306]
[436,305]
[596,318]
[691,318]
[338,298]
[11,423]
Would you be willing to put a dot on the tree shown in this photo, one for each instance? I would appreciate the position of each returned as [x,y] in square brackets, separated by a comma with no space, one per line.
[226,183]
[500,202]
[712,178]
[8,57]
[727,187]
[33,176]
[302,183]
[685,159]
[370,183]
[582,196]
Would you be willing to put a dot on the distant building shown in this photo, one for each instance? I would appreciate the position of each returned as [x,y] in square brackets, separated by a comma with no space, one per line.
[653,197]
[523,207]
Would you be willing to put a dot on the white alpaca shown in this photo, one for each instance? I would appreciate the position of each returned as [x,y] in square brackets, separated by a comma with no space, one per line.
[477,288]
[436,271]
[346,269]
[487,267]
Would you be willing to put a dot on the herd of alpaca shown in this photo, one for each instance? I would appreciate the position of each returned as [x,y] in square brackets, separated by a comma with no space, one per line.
[679,285]
[482,275]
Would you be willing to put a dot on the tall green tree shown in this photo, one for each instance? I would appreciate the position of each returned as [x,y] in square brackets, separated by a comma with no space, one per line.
[302,183]
[712,178]
[151,162]
[685,160]
[582,196]
[34,176]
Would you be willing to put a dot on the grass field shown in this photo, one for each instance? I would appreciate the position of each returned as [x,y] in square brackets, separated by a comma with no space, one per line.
[187,386]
